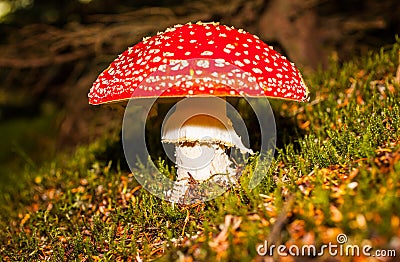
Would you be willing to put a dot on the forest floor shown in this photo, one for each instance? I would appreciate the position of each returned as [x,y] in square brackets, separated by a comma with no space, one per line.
[337,183]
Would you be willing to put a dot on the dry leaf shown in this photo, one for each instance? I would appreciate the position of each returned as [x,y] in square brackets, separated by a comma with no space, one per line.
[336,215]
[397,78]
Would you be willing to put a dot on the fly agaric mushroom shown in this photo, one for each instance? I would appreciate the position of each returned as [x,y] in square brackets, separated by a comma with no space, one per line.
[213,47]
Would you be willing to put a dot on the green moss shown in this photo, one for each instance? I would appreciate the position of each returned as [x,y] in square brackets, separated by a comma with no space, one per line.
[339,174]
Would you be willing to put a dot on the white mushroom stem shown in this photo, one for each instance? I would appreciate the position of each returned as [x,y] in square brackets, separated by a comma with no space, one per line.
[202,132]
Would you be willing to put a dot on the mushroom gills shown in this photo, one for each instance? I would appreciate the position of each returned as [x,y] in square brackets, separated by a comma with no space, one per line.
[203,136]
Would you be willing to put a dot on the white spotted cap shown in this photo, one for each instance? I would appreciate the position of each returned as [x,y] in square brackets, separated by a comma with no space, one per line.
[214,46]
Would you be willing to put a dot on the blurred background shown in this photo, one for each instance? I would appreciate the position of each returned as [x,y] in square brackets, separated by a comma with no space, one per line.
[51,52]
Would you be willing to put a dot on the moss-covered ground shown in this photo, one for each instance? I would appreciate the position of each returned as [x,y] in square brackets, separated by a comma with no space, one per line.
[337,173]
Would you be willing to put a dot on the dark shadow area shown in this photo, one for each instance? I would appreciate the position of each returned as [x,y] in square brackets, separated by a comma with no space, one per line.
[287,131]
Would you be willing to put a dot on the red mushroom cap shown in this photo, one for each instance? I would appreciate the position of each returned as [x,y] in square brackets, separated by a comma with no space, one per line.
[220,45]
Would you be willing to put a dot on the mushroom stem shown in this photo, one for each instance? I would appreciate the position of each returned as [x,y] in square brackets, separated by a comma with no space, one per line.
[202,133]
